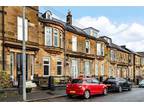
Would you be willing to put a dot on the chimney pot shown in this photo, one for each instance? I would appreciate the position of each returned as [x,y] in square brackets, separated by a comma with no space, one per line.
[69,18]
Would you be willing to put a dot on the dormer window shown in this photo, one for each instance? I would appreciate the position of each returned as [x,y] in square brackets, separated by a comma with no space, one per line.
[92,31]
[47,15]
[109,40]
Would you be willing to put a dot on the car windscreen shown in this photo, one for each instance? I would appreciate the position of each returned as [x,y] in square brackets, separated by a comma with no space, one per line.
[142,82]
[76,81]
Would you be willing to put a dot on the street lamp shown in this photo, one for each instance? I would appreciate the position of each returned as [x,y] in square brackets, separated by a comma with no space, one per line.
[24,56]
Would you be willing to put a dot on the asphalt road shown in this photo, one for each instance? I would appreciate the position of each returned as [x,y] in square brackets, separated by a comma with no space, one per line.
[136,95]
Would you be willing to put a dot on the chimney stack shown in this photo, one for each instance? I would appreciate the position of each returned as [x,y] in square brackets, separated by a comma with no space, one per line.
[69,18]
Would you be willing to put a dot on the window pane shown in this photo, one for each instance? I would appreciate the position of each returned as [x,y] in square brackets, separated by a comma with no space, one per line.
[46,62]
[20,28]
[59,63]
[102,69]
[96,71]
[12,65]
[61,40]
[48,36]
[59,70]
[98,49]
[46,70]
[56,37]
[74,43]
[87,68]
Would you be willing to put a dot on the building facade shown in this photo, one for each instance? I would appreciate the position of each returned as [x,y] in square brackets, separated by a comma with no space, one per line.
[60,49]
[12,41]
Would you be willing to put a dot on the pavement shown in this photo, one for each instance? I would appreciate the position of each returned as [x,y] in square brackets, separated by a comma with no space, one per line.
[135,95]
[36,95]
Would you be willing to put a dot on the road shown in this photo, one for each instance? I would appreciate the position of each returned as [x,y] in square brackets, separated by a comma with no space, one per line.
[136,95]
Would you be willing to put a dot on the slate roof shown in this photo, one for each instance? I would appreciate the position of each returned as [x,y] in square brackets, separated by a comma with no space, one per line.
[141,53]
[112,45]
[72,28]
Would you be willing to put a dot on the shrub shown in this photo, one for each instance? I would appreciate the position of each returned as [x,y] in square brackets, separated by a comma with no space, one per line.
[5,81]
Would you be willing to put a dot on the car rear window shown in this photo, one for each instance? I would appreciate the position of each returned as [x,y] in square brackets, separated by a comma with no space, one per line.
[76,81]
[111,79]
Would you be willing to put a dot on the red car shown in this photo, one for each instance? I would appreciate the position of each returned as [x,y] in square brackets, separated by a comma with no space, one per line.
[85,87]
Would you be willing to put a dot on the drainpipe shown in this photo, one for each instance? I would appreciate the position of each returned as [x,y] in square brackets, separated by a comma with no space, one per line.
[134,68]
[64,53]
[3,40]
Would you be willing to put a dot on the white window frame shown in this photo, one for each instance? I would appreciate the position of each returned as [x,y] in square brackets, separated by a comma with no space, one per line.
[98,49]
[32,66]
[87,45]
[110,71]
[61,39]
[59,60]
[102,69]
[112,55]
[56,36]
[20,29]
[46,58]
[96,69]
[12,65]
[87,68]
[48,36]
[102,49]
[74,43]
[74,73]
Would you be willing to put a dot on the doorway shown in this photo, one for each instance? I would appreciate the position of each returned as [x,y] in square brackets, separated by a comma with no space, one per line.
[19,65]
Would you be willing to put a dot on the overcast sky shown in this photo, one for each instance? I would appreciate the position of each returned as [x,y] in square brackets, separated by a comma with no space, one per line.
[125,25]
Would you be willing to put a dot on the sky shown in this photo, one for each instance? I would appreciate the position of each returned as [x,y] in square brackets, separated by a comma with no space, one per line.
[125,25]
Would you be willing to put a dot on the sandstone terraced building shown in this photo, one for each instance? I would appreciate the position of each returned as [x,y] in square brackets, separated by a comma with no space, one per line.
[57,48]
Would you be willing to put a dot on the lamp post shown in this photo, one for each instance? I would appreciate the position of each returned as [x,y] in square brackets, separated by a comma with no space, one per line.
[24,56]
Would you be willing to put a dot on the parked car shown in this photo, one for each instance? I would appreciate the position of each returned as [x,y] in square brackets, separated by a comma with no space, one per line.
[141,84]
[118,84]
[85,87]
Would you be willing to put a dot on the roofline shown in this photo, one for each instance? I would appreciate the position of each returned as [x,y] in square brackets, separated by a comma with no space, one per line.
[51,22]
[91,28]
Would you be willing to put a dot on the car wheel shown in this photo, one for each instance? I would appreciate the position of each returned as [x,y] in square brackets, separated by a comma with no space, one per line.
[86,94]
[70,96]
[130,87]
[105,91]
[120,89]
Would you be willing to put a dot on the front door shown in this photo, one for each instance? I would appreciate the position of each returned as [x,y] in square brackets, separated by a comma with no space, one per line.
[19,65]
[74,69]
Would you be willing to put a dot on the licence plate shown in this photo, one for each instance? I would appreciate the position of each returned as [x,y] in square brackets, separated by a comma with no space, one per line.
[72,91]
[108,85]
